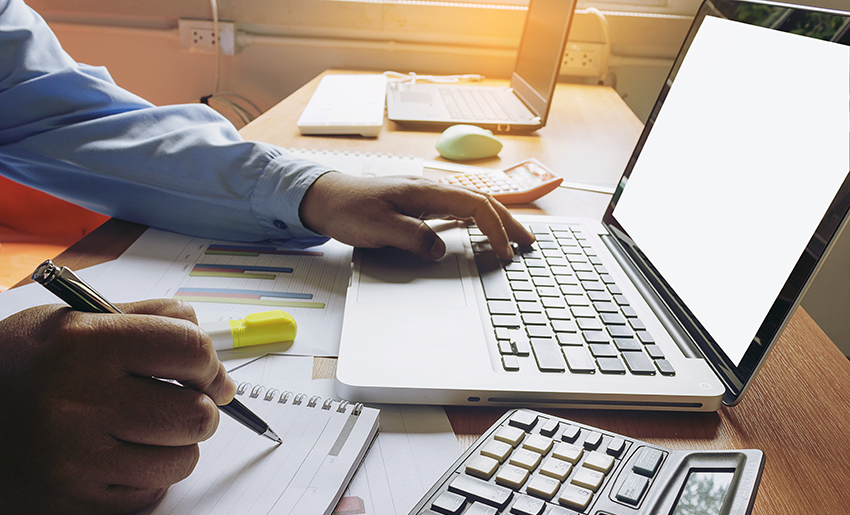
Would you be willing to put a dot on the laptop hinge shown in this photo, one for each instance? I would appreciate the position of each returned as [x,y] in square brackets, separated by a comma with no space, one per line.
[679,335]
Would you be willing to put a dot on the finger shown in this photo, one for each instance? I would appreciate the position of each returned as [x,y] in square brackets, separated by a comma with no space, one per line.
[153,412]
[162,307]
[168,348]
[149,466]
[494,220]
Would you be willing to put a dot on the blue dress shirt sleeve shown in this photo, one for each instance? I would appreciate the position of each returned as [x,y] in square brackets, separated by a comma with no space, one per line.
[67,129]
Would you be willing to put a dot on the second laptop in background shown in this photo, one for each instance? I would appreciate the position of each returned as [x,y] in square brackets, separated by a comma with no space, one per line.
[522,107]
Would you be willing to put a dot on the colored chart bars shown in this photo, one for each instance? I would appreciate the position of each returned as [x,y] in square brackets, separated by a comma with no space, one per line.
[255,297]
[258,275]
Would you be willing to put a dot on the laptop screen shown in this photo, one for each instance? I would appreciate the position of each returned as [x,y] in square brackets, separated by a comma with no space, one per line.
[541,51]
[740,181]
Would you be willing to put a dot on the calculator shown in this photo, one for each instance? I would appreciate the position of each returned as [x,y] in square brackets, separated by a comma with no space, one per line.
[531,463]
[519,184]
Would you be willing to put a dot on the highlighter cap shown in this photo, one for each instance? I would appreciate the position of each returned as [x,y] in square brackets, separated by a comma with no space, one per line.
[261,328]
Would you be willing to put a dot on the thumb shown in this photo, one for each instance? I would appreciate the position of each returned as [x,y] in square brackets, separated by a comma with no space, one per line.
[415,235]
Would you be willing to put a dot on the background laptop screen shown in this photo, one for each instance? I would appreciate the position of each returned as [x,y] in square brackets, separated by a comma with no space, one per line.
[736,172]
[546,22]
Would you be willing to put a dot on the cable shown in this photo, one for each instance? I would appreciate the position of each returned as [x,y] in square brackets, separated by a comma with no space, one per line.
[441,79]
[217,96]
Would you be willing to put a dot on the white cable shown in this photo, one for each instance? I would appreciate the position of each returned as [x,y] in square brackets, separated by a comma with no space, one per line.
[441,79]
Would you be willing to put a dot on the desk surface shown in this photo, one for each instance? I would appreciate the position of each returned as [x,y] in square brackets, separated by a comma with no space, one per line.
[798,409]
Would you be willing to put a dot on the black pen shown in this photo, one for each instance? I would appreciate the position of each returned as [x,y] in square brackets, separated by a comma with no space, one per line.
[65,284]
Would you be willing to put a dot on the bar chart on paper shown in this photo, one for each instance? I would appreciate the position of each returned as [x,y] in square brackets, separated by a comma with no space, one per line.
[228,280]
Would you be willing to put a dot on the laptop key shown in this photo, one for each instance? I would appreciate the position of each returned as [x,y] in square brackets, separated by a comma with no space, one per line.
[548,355]
[493,279]
[665,367]
[611,365]
[639,363]
[578,360]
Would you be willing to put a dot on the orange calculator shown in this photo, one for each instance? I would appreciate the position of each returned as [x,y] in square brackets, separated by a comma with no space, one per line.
[519,184]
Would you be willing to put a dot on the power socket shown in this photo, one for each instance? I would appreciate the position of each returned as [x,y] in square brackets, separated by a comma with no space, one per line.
[582,59]
[199,36]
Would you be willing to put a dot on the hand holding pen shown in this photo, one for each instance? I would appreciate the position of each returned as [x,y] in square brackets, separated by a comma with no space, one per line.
[79,295]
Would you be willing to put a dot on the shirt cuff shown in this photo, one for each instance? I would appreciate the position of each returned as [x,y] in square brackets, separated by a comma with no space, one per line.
[277,196]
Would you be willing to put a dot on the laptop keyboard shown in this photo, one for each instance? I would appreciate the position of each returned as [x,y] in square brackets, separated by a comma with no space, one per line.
[474,104]
[556,303]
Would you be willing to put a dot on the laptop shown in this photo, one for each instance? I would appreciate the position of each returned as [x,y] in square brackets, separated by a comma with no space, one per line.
[522,107]
[735,192]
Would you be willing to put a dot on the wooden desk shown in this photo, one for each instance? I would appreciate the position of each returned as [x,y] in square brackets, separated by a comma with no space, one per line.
[798,409]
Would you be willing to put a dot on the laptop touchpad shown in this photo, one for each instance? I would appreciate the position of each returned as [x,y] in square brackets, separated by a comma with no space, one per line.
[396,277]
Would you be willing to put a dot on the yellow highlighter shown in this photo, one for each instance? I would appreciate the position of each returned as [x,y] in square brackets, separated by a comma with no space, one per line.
[254,329]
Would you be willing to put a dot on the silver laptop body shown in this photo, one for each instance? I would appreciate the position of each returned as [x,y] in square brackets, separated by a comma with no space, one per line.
[731,200]
[522,107]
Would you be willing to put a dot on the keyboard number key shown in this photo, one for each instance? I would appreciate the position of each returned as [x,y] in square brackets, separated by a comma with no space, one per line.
[526,505]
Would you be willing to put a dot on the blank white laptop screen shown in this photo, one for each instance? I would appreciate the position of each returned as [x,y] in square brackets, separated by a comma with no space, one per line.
[728,260]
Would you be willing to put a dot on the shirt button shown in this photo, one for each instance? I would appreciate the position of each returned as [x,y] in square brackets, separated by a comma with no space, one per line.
[280,225]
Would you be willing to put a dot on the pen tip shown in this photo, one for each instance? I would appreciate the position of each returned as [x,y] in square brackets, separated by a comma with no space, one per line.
[271,435]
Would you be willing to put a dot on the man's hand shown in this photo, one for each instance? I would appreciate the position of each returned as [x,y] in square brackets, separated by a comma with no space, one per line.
[389,211]
[84,426]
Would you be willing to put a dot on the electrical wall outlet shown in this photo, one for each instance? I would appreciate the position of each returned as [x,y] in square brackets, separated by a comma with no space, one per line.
[199,36]
[583,59]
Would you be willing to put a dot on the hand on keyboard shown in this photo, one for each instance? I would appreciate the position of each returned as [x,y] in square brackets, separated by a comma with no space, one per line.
[377,212]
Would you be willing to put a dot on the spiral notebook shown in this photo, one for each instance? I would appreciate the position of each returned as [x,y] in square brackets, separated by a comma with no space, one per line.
[239,472]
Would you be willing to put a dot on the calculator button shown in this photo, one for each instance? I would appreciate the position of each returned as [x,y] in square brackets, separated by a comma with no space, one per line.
[524,420]
[647,463]
[616,446]
[481,509]
[598,461]
[568,452]
[510,435]
[497,450]
[575,497]
[632,489]
[482,466]
[555,468]
[512,476]
[543,487]
[570,434]
[538,443]
[594,438]
[587,478]
[448,503]
[525,459]
[475,489]
[526,505]
[549,427]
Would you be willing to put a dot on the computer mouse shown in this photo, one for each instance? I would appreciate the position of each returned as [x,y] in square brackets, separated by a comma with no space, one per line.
[463,142]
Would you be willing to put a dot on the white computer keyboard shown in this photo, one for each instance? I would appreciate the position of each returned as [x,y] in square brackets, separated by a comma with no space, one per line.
[346,104]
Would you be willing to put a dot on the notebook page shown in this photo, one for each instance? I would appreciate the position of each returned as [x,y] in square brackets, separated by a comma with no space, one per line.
[240,472]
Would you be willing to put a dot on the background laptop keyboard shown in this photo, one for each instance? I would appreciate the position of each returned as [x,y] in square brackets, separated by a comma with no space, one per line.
[556,303]
[474,104]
